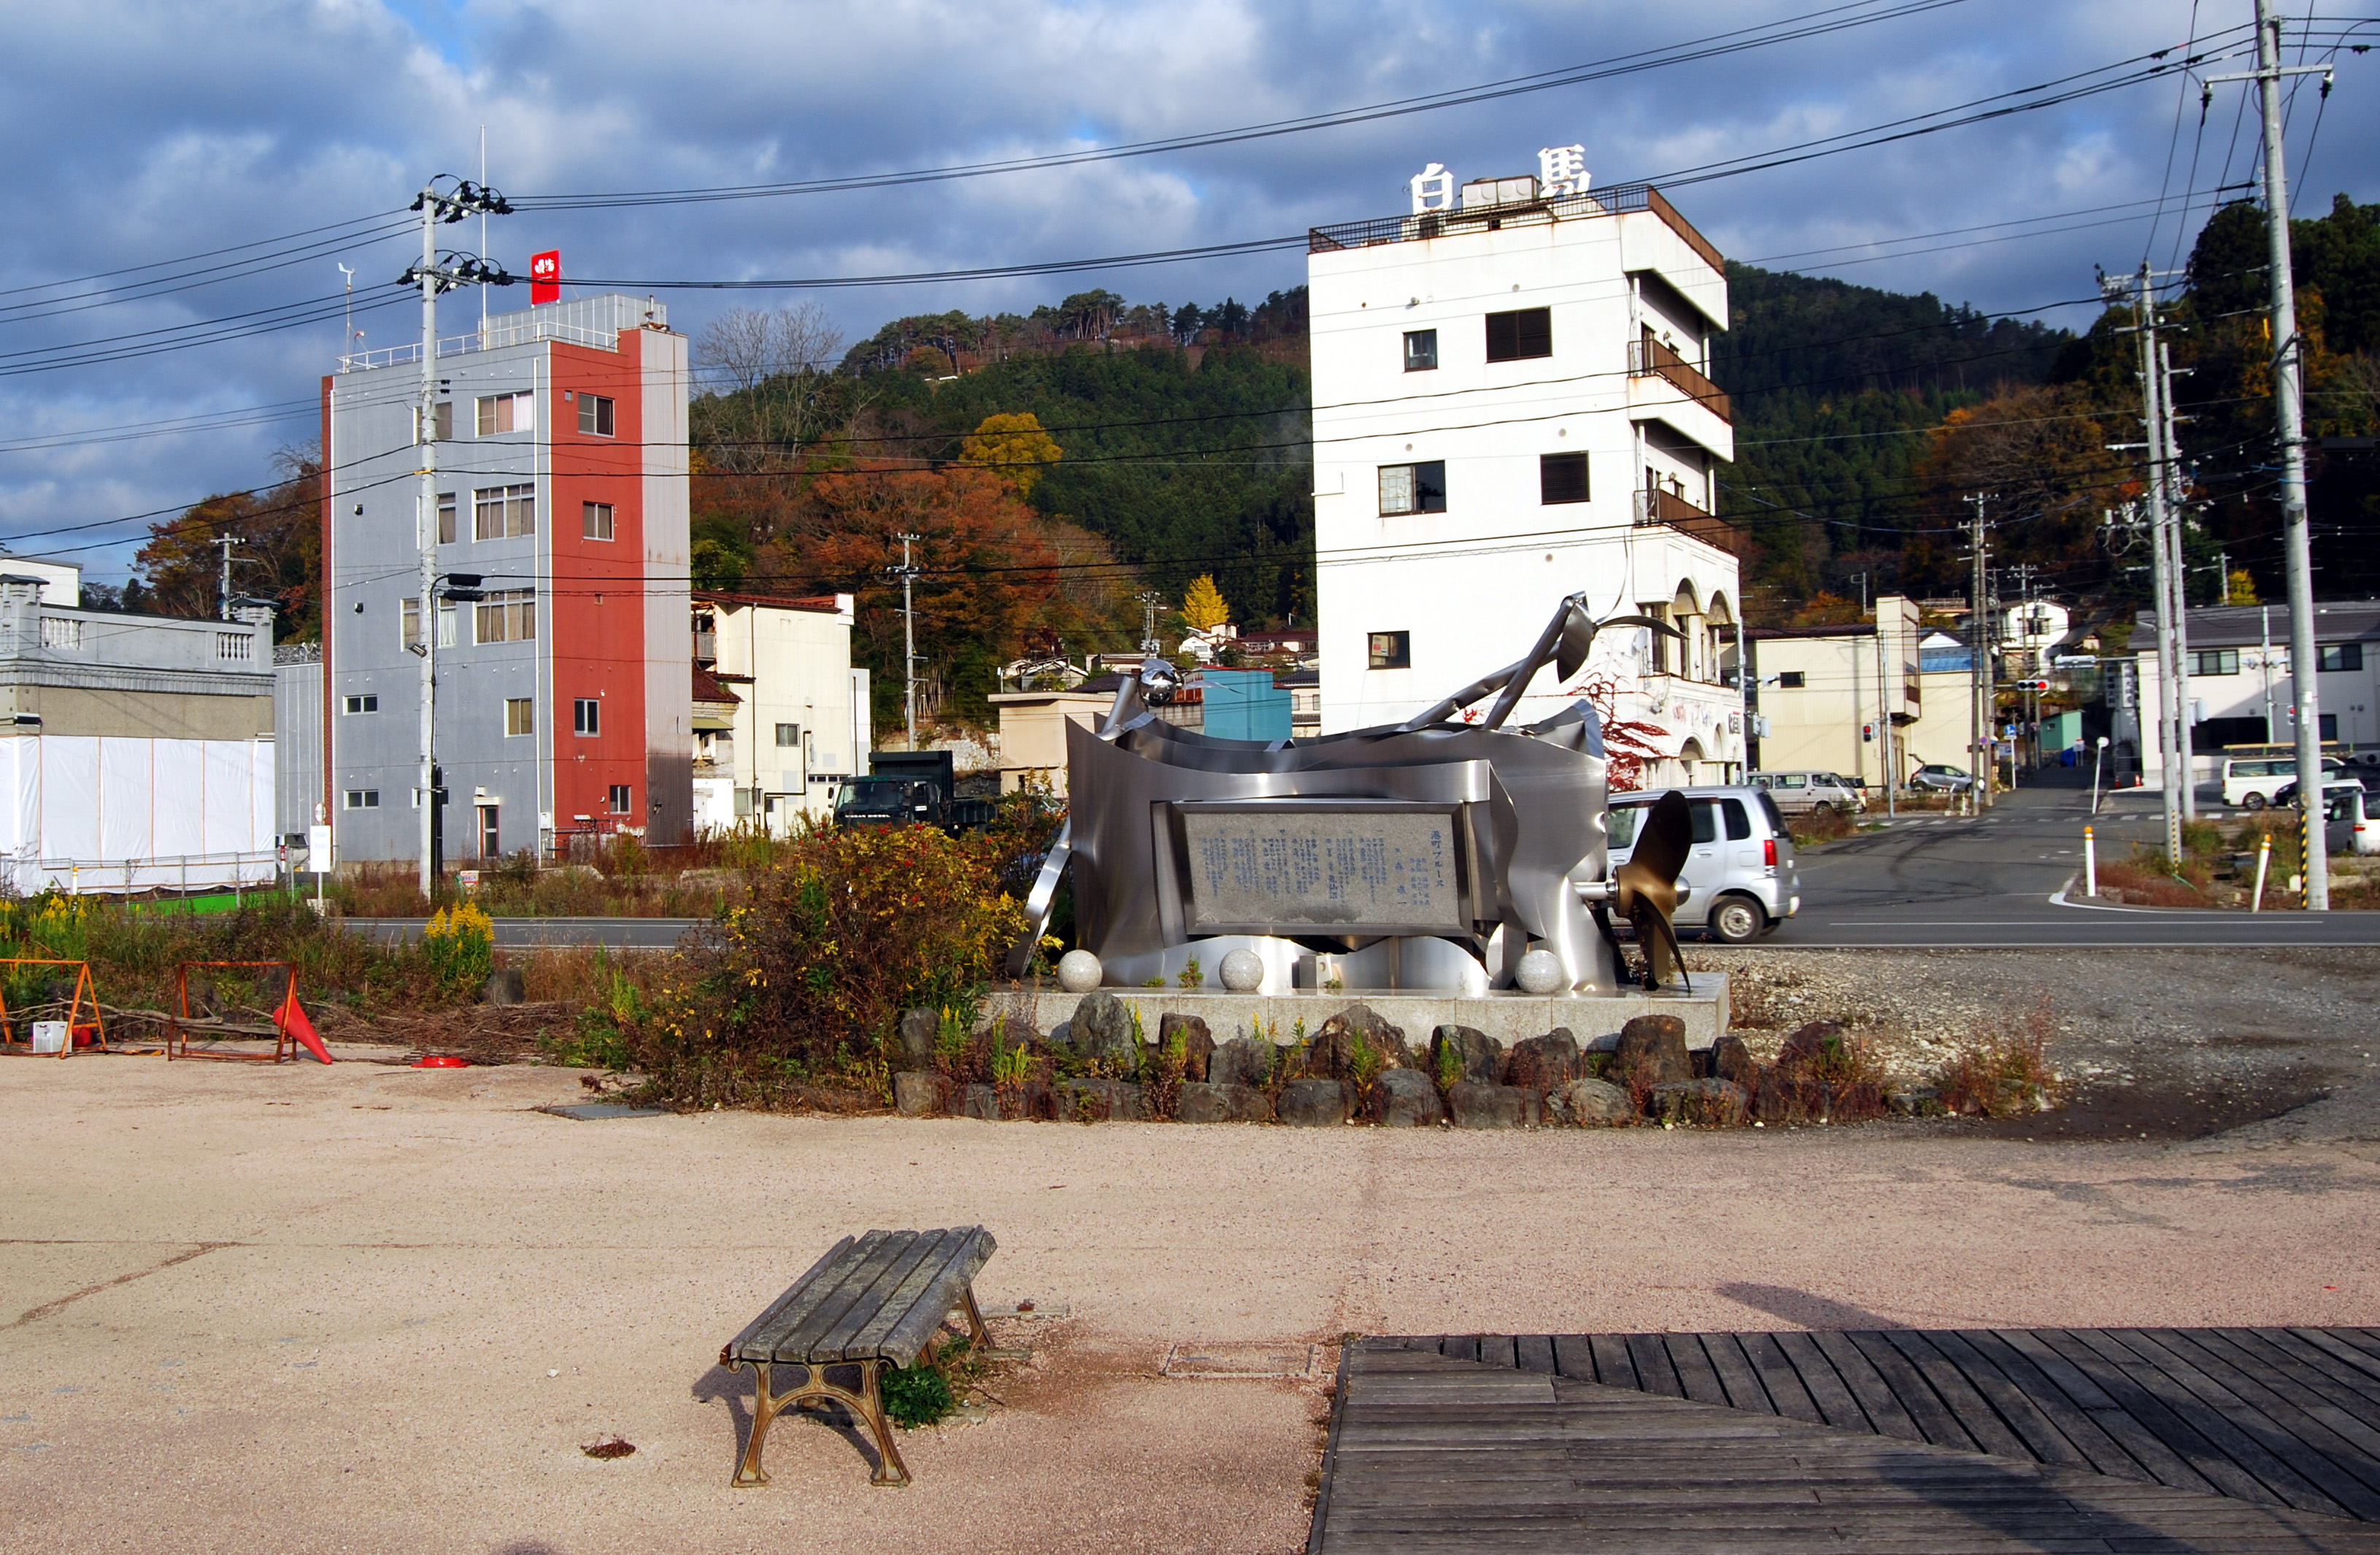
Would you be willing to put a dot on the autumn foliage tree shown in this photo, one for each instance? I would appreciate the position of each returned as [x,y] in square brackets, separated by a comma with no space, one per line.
[988,573]
[1012,446]
[1204,606]
[279,557]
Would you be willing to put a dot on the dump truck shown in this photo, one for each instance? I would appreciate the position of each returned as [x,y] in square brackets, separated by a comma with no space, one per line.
[909,788]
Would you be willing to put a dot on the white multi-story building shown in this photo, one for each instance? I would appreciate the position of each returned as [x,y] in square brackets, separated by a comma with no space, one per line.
[793,722]
[1511,406]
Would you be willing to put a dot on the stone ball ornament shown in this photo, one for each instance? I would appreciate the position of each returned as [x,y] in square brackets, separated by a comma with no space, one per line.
[1079,971]
[1539,972]
[1243,971]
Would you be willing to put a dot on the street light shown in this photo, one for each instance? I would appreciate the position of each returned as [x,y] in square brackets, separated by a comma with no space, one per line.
[2097,757]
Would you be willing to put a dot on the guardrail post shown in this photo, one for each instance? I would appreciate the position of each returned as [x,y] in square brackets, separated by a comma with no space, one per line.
[2090,864]
[2264,858]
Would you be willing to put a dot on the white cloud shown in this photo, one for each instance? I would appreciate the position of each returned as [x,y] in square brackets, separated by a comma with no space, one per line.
[148,132]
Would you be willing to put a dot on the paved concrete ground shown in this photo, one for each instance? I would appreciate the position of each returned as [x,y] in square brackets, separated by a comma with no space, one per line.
[375,1308]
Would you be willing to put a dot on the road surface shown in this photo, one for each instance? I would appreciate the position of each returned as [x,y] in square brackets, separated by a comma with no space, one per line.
[1934,881]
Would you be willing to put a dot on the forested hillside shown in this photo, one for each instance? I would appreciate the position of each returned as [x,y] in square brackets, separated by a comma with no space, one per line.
[1059,464]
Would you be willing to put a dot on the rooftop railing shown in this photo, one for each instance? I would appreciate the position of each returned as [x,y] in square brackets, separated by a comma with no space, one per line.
[1616,201]
[494,337]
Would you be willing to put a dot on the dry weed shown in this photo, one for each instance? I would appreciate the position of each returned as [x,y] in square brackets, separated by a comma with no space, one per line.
[2003,1070]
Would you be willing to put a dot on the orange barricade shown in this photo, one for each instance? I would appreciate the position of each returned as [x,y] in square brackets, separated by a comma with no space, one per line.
[289,1025]
[80,1033]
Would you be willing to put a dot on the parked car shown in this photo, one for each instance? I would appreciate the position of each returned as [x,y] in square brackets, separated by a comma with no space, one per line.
[2348,826]
[2250,782]
[1801,793]
[1740,872]
[1936,777]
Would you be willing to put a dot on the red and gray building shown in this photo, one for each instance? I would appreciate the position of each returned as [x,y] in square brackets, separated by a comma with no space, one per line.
[565,693]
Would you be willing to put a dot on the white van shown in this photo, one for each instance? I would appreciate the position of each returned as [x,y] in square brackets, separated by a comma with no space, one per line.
[1801,793]
[2250,782]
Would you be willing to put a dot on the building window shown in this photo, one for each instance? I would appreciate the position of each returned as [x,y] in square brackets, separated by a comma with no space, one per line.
[2217,660]
[235,647]
[587,716]
[520,716]
[1561,477]
[788,735]
[503,512]
[1792,680]
[620,798]
[1421,350]
[597,517]
[1414,488]
[506,615]
[61,631]
[446,517]
[363,799]
[1389,650]
[2340,656]
[1520,335]
[506,413]
[367,702]
[409,623]
[595,416]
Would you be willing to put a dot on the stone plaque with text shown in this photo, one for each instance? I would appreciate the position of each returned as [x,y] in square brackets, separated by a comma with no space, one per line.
[1323,870]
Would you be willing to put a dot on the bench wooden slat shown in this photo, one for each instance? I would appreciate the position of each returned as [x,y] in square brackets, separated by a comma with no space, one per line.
[909,1335]
[800,1306]
[925,1277]
[850,1284]
[795,1307]
[887,1280]
[747,1345]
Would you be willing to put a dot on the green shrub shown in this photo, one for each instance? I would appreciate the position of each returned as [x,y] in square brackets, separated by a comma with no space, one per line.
[916,1395]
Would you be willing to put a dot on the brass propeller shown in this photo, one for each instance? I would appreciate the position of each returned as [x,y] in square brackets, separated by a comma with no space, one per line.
[1646,892]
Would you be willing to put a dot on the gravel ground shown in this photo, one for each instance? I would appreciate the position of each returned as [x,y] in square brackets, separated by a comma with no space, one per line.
[2172,1044]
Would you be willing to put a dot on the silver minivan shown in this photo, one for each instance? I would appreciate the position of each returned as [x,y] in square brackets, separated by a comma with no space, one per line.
[1740,871]
[1799,793]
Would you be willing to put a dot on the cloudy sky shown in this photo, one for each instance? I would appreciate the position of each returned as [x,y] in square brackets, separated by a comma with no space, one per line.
[189,177]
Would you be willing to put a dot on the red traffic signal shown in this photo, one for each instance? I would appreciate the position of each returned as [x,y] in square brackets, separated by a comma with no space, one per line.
[1867,731]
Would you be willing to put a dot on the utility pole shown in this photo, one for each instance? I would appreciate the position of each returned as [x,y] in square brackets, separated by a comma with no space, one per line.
[908,641]
[1978,712]
[2223,568]
[1884,701]
[1150,602]
[2172,714]
[2266,659]
[2168,471]
[438,273]
[2288,390]
[223,595]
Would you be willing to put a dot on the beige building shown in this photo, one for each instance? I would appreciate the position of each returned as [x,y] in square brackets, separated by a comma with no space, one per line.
[1033,733]
[1823,689]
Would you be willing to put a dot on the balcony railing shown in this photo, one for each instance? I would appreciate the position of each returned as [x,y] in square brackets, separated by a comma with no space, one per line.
[1612,201]
[495,338]
[1650,358]
[1667,508]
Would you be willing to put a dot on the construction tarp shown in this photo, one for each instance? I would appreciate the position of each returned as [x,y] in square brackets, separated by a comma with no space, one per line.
[107,815]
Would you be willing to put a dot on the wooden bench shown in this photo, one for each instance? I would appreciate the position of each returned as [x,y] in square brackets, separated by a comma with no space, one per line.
[873,1302]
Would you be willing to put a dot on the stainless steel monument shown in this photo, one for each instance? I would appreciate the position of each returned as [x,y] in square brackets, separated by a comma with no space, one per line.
[1433,854]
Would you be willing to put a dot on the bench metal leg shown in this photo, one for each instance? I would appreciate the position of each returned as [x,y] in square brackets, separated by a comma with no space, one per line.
[975,1322]
[866,1406]
[764,1409]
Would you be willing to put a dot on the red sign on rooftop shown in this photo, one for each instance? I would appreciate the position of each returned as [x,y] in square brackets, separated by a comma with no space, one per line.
[545,277]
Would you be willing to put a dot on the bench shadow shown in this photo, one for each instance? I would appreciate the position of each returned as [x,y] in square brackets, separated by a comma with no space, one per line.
[736,1388]
[1809,1310]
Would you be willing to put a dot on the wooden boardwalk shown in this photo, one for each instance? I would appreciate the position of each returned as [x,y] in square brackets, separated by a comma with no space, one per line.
[1890,1440]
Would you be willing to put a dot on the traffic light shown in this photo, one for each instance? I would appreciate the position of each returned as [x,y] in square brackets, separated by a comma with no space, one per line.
[2032,686]
[1867,732]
